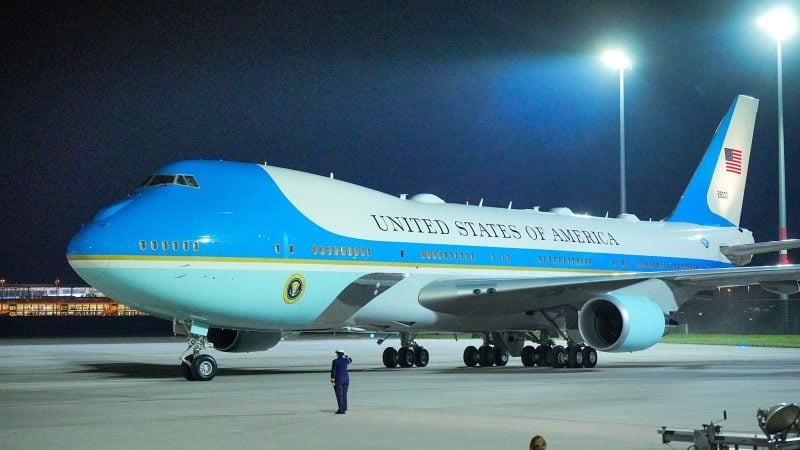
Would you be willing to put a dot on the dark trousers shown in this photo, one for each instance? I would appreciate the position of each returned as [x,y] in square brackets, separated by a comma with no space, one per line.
[340,388]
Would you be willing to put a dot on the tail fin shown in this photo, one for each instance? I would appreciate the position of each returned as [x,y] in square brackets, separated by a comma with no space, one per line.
[715,193]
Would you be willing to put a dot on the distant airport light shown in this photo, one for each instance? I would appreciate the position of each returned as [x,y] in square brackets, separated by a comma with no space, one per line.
[778,22]
[617,59]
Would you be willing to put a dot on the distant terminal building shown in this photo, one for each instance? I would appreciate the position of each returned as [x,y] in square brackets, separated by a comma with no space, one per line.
[744,310]
[51,300]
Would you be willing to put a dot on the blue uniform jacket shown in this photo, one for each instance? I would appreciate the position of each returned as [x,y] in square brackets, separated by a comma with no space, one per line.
[339,369]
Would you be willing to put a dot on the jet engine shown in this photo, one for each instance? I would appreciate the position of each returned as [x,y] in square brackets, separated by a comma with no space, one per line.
[621,322]
[242,341]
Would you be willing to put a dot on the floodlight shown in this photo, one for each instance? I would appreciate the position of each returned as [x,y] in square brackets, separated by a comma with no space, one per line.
[779,22]
[777,419]
[616,59]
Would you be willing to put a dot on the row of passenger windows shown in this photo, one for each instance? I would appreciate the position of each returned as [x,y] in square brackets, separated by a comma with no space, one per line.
[453,256]
[665,265]
[176,245]
[424,254]
[565,260]
[343,251]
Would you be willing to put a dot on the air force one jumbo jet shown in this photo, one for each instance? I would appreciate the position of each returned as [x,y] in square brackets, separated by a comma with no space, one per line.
[238,255]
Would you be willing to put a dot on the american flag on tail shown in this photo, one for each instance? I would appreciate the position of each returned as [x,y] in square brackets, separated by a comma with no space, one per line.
[733,161]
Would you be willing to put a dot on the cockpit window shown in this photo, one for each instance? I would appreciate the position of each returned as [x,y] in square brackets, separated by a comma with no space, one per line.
[164,180]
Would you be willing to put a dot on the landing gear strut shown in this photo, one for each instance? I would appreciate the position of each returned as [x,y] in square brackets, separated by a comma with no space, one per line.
[408,355]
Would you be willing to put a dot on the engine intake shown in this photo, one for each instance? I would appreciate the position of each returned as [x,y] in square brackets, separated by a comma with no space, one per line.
[621,322]
[242,341]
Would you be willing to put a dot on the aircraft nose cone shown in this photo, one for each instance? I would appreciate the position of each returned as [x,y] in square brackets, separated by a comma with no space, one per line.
[89,249]
[83,251]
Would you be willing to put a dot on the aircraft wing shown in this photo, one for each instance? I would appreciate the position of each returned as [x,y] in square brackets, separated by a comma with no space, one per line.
[490,296]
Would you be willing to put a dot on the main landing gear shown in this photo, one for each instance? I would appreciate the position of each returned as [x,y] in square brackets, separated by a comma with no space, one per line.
[487,355]
[198,366]
[409,354]
[497,347]
[557,356]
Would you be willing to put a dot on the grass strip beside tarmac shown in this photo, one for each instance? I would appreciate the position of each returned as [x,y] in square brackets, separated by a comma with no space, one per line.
[752,340]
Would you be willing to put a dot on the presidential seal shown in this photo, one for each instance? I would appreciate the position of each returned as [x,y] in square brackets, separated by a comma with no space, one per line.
[294,288]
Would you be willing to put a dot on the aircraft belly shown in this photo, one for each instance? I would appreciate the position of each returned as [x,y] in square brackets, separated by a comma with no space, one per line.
[233,297]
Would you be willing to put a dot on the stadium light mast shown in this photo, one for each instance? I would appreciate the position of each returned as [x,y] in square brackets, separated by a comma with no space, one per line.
[780,24]
[616,59]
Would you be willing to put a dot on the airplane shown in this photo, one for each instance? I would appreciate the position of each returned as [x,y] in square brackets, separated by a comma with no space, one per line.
[239,255]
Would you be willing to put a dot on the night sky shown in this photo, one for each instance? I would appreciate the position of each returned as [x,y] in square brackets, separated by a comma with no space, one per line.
[506,101]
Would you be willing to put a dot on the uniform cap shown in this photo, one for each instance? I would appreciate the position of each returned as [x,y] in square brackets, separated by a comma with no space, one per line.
[339,351]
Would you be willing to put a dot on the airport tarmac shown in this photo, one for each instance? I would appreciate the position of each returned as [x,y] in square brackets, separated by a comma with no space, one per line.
[129,393]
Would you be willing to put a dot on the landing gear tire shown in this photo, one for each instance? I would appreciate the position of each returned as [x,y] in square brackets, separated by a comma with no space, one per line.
[558,357]
[589,357]
[500,357]
[204,368]
[574,357]
[486,356]
[390,359]
[470,356]
[528,356]
[186,368]
[405,357]
[421,357]
[542,355]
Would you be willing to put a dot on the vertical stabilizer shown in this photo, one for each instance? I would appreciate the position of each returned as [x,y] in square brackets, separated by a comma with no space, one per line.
[715,193]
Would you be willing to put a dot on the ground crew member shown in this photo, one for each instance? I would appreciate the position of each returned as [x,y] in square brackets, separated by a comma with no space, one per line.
[538,443]
[340,379]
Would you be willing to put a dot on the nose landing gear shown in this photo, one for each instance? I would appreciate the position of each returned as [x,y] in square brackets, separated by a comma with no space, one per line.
[196,366]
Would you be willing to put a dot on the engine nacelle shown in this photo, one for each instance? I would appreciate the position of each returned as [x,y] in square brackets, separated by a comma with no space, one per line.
[621,322]
[243,341]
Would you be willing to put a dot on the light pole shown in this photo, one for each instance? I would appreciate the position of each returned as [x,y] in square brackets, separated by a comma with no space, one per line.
[780,23]
[616,59]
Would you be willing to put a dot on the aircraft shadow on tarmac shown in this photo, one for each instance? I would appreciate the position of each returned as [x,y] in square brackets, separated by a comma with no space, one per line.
[164,371]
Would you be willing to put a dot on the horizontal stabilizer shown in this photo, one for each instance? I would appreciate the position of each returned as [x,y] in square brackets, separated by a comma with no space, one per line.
[742,254]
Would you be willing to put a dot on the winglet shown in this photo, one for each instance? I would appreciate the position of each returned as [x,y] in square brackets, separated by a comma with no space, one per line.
[714,195]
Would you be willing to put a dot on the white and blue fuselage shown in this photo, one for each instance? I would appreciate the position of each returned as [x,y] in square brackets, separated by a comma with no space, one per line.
[239,253]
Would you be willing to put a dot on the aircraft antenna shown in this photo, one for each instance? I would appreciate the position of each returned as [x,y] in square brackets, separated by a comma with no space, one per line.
[481,203]
[332,176]
[509,204]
